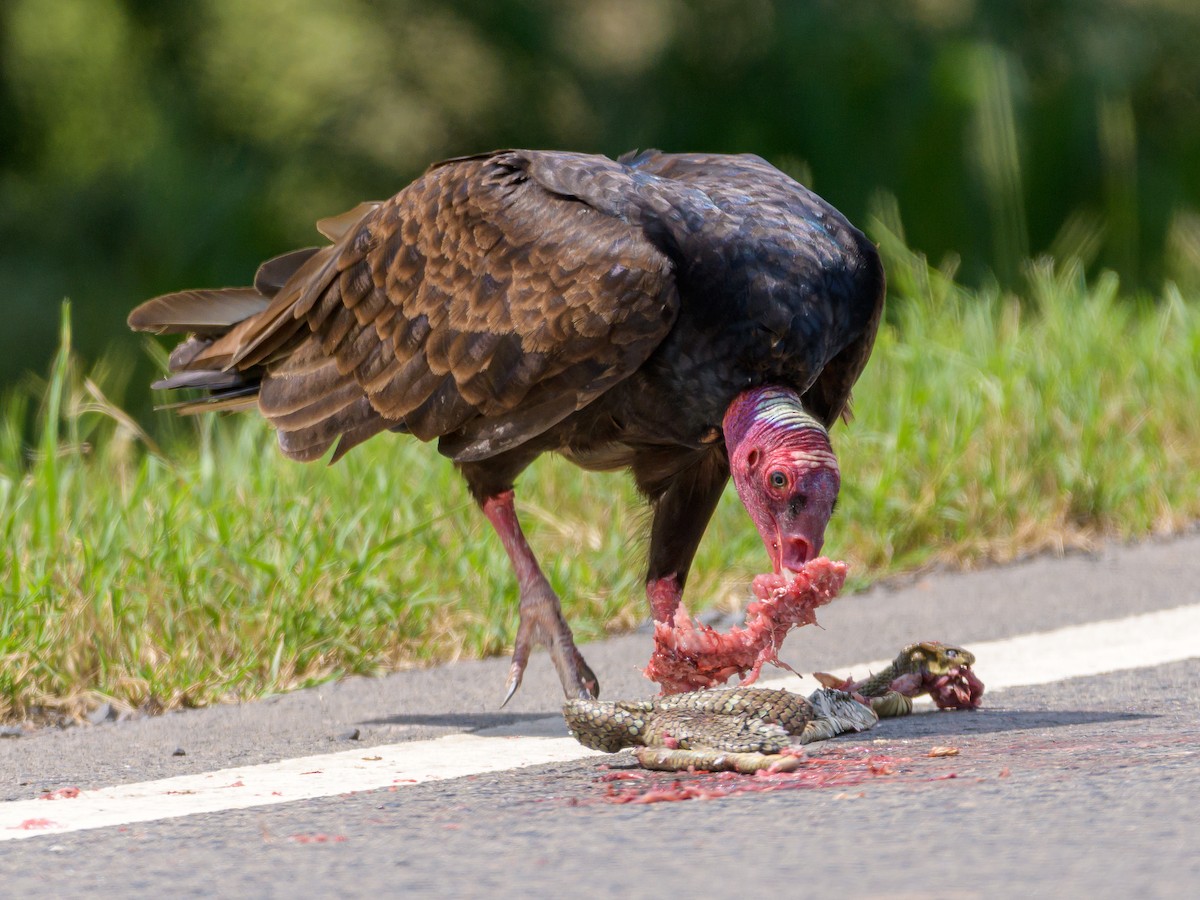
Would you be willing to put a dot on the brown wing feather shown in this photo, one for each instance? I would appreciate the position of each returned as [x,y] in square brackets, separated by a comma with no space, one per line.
[476,306]
[511,306]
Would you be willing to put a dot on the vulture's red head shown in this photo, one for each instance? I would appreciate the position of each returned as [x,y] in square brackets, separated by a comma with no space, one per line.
[785,472]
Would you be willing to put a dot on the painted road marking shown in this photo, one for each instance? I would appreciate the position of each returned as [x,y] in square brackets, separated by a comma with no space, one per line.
[1096,648]
[369,768]
[1136,642]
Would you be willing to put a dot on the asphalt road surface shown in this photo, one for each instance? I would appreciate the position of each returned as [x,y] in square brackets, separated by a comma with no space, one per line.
[1079,786]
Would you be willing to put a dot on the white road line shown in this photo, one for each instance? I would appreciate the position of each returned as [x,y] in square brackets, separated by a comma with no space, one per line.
[1150,639]
[1096,648]
[326,775]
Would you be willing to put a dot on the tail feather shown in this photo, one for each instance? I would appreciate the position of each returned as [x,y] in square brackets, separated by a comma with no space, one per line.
[227,389]
[253,347]
[209,379]
[335,227]
[226,401]
[275,272]
[198,312]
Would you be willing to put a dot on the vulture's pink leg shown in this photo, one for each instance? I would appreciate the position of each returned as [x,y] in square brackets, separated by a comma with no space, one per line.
[542,620]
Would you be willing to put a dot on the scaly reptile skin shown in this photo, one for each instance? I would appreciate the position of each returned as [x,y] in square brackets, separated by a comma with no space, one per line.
[740,720]
[751,729]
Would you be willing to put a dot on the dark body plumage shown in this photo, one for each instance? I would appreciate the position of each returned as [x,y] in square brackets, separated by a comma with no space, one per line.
[519,302]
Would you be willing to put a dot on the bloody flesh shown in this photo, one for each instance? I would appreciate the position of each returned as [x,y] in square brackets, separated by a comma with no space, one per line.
[957,689]
[844,768]
[689,656]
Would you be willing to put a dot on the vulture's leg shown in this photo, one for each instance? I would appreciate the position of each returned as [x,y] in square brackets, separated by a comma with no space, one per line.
[682,504]
[541,615]
[542,620]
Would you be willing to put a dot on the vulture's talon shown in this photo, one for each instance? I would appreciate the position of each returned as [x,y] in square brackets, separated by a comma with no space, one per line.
[578,680]
[589,683]
[514,681]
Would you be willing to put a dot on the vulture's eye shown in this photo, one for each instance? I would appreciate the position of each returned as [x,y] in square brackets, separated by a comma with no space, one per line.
[778,479]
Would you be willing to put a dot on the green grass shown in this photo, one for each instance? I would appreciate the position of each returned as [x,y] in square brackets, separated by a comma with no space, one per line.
[985,428]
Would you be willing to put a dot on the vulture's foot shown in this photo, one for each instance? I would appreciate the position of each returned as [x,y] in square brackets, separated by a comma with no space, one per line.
[542,623]
[542,620]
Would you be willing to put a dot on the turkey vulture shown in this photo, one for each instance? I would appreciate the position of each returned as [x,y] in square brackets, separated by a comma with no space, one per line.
[684,316]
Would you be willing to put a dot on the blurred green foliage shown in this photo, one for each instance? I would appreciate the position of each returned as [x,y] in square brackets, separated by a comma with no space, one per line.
[152,146]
